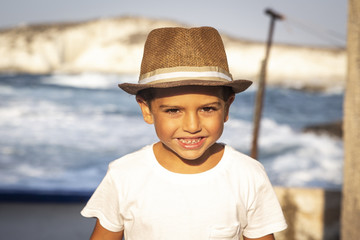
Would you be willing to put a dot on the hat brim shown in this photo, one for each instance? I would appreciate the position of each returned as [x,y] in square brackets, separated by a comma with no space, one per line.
[236,85]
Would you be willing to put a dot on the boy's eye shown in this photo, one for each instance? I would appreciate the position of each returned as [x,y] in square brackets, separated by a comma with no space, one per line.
[172,110]
[208,109]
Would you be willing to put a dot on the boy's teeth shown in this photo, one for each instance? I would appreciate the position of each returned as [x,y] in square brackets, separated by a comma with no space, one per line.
[190,141]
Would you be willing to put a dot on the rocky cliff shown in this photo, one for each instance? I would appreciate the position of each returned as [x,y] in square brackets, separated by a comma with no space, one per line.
[115,46]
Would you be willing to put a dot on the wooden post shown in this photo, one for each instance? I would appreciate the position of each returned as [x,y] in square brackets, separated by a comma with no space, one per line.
[350,219]
[261,88]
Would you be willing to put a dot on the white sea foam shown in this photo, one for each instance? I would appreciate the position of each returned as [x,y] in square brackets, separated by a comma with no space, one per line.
[89,80]
[291,158]
[64,138]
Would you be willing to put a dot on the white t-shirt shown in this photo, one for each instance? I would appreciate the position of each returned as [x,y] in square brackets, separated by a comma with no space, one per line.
[147,201]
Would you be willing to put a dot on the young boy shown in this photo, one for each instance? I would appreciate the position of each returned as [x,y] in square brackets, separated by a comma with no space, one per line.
[186,186]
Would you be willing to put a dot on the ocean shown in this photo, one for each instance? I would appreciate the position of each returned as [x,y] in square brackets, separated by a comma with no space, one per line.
[59,132]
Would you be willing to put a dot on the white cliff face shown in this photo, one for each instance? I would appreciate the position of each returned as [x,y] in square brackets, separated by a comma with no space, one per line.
[116,46]
[290,66]
[105,45]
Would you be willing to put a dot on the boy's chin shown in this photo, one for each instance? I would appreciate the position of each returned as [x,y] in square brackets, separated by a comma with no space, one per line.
[190,156]
[193,156]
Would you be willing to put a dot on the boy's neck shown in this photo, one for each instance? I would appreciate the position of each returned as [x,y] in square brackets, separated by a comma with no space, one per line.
[174,163]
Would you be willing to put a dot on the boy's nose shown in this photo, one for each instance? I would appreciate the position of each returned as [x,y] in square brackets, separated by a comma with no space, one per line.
[191,123]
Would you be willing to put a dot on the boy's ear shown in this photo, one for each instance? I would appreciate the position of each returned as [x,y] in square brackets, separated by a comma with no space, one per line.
[145,110]
[227,106]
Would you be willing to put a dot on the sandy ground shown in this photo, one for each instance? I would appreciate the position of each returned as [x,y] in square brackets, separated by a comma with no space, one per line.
[40,221]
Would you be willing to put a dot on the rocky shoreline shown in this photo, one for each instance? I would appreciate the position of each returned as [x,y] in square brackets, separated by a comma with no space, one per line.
[333,129]
[115,45]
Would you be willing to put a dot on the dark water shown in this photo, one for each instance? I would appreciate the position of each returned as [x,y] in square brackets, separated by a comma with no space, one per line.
[59,132]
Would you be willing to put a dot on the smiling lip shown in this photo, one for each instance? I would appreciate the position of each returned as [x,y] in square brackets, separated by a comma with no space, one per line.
[191,143]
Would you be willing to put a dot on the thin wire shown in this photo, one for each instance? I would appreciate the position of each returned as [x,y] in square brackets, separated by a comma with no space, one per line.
[330,36]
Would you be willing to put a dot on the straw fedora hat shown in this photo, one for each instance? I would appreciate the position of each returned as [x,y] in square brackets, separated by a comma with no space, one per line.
[184,56]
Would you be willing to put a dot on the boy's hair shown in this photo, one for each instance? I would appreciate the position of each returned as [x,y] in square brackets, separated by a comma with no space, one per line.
[148,94]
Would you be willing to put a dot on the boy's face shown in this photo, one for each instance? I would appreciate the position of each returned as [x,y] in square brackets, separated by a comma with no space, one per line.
[188,120]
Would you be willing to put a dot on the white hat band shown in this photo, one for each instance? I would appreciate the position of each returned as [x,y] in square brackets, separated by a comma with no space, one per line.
[180,73]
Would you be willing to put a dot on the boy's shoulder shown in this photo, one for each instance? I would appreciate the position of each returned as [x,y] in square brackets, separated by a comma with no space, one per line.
[242,164]
[136,159]
[238,158]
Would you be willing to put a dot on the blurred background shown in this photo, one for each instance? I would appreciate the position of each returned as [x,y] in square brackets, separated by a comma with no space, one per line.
[241,18]
[63,118]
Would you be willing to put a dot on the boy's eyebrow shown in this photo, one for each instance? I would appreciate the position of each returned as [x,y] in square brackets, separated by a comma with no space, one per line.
[218,103]
[213,103]
[169,106]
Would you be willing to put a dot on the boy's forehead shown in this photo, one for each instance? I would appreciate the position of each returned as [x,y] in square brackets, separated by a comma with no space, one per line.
[184,90]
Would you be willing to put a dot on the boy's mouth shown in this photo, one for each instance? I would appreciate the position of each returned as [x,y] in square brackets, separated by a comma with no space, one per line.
[191,143]
[190,140]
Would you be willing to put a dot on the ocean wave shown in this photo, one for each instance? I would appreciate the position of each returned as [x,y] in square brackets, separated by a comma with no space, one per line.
[88,80]
[61,131]
[291,158]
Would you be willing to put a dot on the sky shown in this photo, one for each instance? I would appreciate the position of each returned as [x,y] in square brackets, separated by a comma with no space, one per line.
[307,22]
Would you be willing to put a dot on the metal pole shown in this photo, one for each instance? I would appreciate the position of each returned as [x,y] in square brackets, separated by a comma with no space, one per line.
[261,88]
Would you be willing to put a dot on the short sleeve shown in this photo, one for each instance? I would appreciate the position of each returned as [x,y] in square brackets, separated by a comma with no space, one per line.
[104,205]
[265,215]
